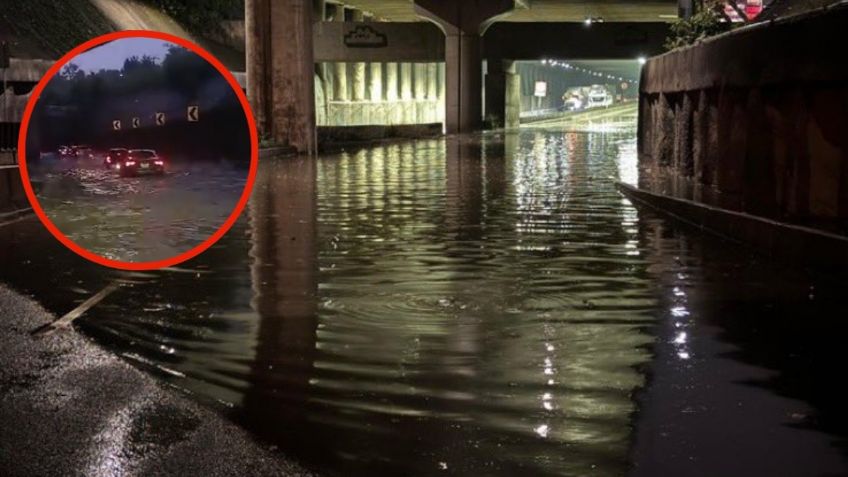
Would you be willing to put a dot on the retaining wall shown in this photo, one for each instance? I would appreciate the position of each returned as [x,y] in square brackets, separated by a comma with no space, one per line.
[754,121]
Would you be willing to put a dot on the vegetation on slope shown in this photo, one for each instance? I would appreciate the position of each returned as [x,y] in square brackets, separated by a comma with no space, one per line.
[200,16]
[49,28]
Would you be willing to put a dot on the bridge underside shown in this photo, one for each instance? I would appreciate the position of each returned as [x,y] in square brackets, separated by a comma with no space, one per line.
[385,72]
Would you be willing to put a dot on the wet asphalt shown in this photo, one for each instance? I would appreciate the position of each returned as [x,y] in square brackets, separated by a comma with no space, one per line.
[67,407]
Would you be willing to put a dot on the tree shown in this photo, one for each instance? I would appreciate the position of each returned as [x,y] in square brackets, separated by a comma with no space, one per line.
[706,22]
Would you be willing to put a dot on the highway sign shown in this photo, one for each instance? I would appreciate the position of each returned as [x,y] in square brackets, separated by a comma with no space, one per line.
[135,122]
[193,114]
[116,124]
[160,119]
[541,89]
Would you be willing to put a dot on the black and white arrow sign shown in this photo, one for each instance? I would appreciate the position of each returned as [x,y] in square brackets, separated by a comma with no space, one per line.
[135,122]
[160,119]
[193,114]
[116,124]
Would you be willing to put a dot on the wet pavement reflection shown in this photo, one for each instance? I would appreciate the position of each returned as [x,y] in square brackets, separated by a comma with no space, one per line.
[137,219]
[479,305]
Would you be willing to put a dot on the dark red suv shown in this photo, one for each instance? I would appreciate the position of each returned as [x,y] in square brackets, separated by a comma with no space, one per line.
[141,161]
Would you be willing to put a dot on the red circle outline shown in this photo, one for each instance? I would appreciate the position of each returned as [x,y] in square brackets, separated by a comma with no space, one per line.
[156,264]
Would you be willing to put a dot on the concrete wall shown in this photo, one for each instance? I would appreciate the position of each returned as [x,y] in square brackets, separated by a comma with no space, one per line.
[754,120]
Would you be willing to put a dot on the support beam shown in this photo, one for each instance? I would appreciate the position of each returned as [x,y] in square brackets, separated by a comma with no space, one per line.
[280,70]
[503,94]
[463,22]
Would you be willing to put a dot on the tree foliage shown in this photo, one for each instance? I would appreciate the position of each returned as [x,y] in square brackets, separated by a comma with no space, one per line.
[74,97]
[703,24]
[200,16]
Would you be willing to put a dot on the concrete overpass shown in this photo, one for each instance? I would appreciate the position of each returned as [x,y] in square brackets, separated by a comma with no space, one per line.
[299,33]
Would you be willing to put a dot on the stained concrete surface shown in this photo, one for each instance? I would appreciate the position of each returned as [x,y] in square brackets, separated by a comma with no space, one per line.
[68,407]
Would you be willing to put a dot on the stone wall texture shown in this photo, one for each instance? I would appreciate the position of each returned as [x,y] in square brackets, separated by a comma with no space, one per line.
[755,121]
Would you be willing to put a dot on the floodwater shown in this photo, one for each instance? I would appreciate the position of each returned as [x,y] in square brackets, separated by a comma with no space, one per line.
[481,305]
[137,219]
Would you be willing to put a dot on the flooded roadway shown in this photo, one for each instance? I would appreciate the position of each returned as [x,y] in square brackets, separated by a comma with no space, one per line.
[482,305]
[137,219]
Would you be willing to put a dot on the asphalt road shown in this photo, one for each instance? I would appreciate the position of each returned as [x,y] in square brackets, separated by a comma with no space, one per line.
[67,407]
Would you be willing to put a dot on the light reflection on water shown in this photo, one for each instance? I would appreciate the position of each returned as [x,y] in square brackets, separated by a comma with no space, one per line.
[418,307]
[480,305]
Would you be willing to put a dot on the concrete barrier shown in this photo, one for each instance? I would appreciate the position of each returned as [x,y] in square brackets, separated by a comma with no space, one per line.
[753,121]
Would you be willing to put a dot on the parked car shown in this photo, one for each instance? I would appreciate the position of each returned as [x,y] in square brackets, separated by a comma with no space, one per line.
[141,161]
[114,156]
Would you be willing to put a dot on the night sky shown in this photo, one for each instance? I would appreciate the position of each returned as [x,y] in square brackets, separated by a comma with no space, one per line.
[111,55]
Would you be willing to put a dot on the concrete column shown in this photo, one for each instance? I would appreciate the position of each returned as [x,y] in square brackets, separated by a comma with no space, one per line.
[503,94]
[280,70]
[256,36]
[512,97]
[463,75]
[463,23]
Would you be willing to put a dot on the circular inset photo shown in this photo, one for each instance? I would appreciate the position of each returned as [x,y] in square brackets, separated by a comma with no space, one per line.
[138,150]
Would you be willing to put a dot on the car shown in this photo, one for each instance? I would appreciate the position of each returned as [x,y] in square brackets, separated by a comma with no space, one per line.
[82,152]
[141,161]
[63,151]
[114,156]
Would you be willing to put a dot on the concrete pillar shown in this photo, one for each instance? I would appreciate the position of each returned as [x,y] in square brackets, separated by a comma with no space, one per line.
[463,75]
[280,70]
[256,38]
[503,94]
[463,23]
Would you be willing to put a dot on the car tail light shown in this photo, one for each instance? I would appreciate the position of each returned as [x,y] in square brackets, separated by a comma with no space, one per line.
[159,163]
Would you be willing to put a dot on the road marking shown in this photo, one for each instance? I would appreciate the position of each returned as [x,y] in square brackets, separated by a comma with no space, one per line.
[72,315]
[17,217]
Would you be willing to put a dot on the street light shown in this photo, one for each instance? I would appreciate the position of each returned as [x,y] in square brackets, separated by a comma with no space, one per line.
[642,60]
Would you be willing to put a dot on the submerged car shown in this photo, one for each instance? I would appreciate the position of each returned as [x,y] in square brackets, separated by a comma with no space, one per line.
[82,152]
[141,161]
[114,156]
